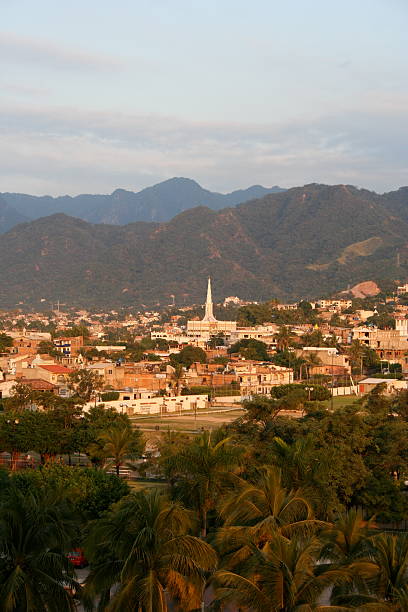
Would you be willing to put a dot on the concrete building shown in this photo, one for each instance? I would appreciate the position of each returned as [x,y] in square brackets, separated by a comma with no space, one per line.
[331,361]
[390,344]
[69,346]
[402,289]
[256,378]
[158,405]
[200,332]
[392,385]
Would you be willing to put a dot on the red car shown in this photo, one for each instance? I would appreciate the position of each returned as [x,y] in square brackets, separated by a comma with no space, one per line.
[77,558]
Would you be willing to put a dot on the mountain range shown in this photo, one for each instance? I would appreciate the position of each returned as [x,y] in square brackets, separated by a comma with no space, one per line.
[158,203]
[301,243]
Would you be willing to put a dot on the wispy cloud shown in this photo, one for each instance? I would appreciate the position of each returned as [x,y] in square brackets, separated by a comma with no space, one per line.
[23,49]
[65,151]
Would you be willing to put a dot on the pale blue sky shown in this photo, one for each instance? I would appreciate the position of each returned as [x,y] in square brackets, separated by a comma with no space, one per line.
[96,95]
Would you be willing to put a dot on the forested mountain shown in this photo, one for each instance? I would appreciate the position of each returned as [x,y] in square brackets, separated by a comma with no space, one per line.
[9,216]
[158,203]
[304,242]
[396,202]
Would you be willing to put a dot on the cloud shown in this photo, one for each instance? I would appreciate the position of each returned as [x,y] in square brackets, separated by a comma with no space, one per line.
[25,50]
[65,151]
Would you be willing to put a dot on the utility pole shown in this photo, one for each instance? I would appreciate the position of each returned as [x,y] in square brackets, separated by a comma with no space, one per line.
[332,381]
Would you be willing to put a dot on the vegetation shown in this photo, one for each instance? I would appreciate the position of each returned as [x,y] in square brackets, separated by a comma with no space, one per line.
[267,513]
[363,234]
[250,349]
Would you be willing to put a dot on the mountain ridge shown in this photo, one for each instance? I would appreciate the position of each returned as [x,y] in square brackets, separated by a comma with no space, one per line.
[159,202]
[300,243]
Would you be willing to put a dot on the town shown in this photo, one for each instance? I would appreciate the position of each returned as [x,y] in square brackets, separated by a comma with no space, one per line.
[163,363]
[199,432]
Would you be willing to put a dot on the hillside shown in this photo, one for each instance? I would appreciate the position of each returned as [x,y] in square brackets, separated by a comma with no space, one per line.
[158,203]
[304,242]
[9,216]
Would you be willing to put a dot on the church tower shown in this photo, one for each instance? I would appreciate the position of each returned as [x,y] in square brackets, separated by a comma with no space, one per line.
[209,316]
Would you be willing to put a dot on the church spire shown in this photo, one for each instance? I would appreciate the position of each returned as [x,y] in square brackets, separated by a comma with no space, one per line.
[209,316]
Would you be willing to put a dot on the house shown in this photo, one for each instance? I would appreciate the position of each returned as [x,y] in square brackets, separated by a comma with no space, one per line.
[56,374]
[392,385]
[257,378]
[69,346]
[158,405]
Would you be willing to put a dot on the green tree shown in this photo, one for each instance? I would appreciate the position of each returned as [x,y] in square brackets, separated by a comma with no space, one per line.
[283,338]
[21,397]
[260,507]
[202,470]
[46,347]
[188,355]
[120,445]
[356,354]
[250,349]
[89,492]
[144,546]
[5,342]
[84,383]
[36,530]
[261,410]
[282,576]
[315,338]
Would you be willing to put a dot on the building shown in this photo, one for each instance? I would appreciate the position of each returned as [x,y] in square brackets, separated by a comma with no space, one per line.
[392,385]
[56,374]
[331,361]
[200,332]
[390,344]
[256,378]
[402,289]
[335,305]
[70,346]
[142,375]
[158,405]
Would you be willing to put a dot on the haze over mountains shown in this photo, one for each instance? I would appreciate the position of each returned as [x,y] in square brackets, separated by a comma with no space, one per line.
[159,203]
[300,243]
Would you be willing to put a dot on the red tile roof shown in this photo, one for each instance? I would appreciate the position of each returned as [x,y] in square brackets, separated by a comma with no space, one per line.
[38,384]
[57,369]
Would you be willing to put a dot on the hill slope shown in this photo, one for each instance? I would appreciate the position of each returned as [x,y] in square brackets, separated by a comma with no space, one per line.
[158,203]
[9,216]
[300,243]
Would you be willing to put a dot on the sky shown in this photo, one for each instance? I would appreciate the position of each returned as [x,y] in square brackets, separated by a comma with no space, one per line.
[97,95]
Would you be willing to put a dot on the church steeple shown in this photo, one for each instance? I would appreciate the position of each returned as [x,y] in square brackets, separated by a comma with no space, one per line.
[209,316]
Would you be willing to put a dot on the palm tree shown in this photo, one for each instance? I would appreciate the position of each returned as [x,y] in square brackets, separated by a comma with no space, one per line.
[283,338]
[297,460]
[345,543]
[177,377]
[311,360]
[119,445]
[259,510]
[265,504]
[385,570]
[356,354]
[144,549]
[36,529]
[348,539]
[281,577]
[202,471]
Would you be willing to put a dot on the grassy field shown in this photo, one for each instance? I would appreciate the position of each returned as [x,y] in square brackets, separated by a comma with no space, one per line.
[190,423]
[138,485]
[341,401]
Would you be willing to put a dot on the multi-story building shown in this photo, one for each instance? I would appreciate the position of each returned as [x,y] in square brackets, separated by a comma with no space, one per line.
[69,346]
[256,378]
[390,344]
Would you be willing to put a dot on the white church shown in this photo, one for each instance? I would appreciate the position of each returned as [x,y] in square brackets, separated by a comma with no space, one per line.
[202,331]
